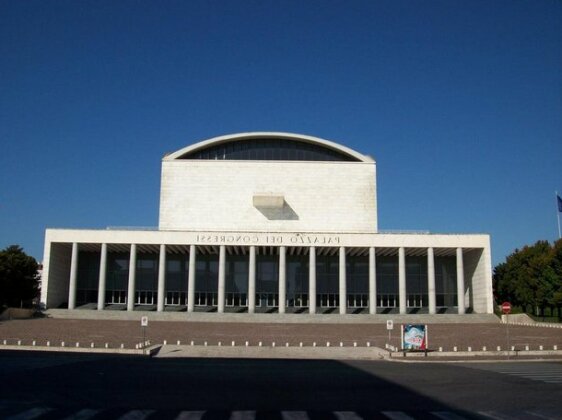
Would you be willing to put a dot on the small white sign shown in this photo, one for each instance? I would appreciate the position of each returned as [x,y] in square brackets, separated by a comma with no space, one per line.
[390,324]
[144,321]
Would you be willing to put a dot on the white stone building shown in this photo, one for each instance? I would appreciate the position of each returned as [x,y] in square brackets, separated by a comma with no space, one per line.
[267,222]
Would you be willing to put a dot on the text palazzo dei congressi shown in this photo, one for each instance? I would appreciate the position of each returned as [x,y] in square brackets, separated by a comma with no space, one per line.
[291,239]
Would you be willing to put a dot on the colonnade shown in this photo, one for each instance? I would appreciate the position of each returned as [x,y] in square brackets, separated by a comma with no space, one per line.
[282,279]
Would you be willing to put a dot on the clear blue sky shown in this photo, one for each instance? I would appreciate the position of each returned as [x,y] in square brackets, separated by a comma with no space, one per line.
[460,103]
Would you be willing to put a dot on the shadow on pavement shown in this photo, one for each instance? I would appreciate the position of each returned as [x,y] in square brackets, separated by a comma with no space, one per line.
[121,382]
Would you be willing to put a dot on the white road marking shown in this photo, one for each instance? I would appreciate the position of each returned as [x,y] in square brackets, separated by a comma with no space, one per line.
[30,414]
[447,415]
[397,415]
[347,415]
[553,375]
[540,416]
[547,373]
[136,415]
[83,415]
[243,415]
[493,415]
[190,415]
[294,415]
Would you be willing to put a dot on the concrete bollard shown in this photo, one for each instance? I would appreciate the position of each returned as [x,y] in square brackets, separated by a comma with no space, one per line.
[233,344]
[106,345]
[273,344]
[286,344]
[469,348]
[179,342]
[136,346]
[33,343]
[77,344]
[19,342]
[527,348]
[484,348]
[4,342]
[48,344]
[455,348]
[122,345]
[341,344]
[300,344]
[368,344]
[165,342]
[259,344]
[62,344]
[92,345]
[327,344]
[555,347]
[441,349]
[512,348]
[540,347]
[314,344]
[219,344]
[247,344]
[499,348]
[355,344]
[192,343]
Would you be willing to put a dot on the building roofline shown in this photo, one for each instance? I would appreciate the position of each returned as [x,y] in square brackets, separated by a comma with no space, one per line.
[276,135]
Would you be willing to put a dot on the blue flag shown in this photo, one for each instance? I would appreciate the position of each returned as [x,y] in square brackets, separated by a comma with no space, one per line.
[559,203]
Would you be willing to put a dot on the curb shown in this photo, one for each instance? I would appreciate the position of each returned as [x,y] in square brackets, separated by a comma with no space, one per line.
[272,352]
[471,354]
[149,351]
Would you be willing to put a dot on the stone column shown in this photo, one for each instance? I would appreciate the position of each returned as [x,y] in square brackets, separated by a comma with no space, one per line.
[343,288]
[73,277]
[312,280]
[102,277]
[372,282]
[252,280]
[222,269]
[460,281]
[282,279]
[191,278]
[431,280]
[161,278]
[402,279]
[132,278]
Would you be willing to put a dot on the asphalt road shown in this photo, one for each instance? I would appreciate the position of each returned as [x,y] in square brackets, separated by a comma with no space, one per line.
[45,386]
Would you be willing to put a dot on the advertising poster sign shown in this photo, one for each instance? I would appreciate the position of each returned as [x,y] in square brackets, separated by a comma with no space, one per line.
[414,337]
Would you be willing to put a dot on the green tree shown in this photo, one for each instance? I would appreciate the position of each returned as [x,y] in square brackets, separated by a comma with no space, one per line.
[530,276]
[19,280]
[557,267]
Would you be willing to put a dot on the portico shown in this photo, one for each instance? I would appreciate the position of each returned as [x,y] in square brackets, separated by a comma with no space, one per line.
[374,276]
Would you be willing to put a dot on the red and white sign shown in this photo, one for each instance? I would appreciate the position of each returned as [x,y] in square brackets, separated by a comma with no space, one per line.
[506,307]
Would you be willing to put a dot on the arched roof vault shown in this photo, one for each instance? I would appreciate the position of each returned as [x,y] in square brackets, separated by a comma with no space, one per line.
[194,148]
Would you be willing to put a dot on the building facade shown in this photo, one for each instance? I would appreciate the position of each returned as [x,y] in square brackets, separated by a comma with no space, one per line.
[267,223]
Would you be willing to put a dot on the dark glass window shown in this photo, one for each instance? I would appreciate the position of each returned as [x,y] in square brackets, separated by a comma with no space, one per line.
[357,274]
[147,272]
[327,274]
[117,271]
[236,274]
[207,273]
[269,149]
[387,275]
[177,269]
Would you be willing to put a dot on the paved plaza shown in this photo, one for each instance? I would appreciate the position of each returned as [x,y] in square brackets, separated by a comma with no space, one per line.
[128,332]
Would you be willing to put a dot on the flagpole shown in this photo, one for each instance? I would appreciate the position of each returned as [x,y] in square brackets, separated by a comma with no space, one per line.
[557,213]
